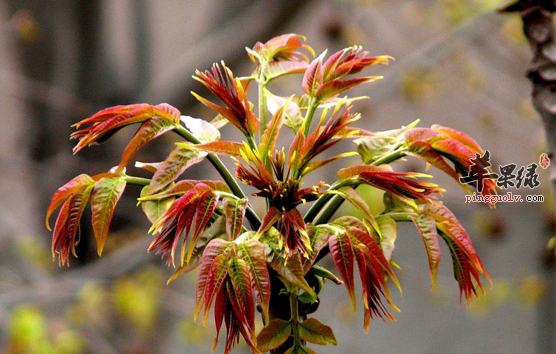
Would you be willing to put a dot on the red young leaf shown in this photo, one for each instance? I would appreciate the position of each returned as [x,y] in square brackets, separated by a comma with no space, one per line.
[184,186]
[243,304]
[149,130]
[459,136]
[179,159]
[400,184]
[192,211]
[229,90]
[467,264]
[342,254]
[105,196]
[281,48]
[350,61]
[67,224]
[236,322]
[354,171]
[427,228]
[252,252]
[352,244]
[216,276]
[334,88]
[204,209]
[214,249]
[374,250]
[234,210]
[215,231]
[65,192]
[268,139]
[312,79]
[109,120]
[439,143]
[271,217]
[219,147]
[425,151]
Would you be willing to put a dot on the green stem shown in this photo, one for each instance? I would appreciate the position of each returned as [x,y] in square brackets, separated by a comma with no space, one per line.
[337,201]
[316,207]
[252,217]
[391,157]
[329,210]
[251,142]
[263,107]
[323,199]
[295,317]
[137,181]
[397,216]
[313,104]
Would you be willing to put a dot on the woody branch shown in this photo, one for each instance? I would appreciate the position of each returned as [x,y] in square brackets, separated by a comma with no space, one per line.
[538,27]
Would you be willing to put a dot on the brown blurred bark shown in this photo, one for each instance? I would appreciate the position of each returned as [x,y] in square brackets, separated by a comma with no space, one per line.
[538,27]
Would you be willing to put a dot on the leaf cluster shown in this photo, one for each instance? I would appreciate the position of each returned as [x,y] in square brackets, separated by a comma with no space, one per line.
[210,224]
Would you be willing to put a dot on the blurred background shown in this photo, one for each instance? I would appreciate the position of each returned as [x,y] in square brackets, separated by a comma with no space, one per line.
[458,63]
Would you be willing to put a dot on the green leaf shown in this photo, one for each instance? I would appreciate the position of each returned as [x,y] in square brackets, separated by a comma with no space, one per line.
[175,164]
[105,196]
[292,114]
[201,129]
[234,210]
[325,273]
[313,331]
[348,221]
[427,228]
[394,203]
[276,333]
[292,271]
[300,349]
[379,144]
[276,69]
[154,209]
[149,130]
[389,229]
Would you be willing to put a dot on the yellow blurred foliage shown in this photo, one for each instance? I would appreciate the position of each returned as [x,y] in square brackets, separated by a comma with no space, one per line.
[30,333]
